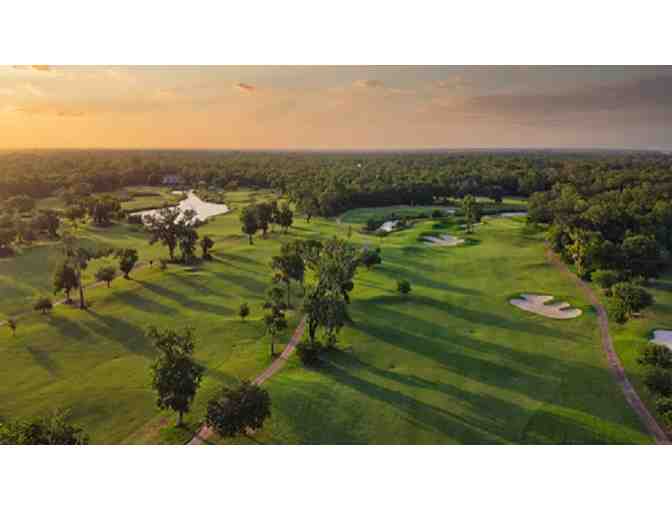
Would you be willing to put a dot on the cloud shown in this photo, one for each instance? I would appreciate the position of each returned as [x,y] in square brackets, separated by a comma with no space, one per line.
[369,84]
[51,110]
[33,89]
[456,83]
[39,67]
[245,87]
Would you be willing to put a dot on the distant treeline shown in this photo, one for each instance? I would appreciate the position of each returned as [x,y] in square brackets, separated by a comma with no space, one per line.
[330,183]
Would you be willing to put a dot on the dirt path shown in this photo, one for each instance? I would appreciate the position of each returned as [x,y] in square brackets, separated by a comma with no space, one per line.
[205,432]
[614,362]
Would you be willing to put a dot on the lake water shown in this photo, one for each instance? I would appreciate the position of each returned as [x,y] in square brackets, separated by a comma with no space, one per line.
[204,210]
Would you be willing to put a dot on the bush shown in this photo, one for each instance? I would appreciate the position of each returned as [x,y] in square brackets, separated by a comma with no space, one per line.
[236,410]
[437,213]
[309,352]
[617,311]
[664,408]
[659,381]
[606,278]
[655,355]
[403,287]
[244,311]
[43,305]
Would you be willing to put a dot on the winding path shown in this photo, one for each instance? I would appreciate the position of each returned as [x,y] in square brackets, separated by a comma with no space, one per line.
[205,432]
[615,365]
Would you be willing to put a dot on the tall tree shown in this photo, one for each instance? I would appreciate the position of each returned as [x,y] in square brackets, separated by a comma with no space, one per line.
[176,376]
[128,258]
[206,245]
[264,217]
[163,228]
[288,266]
[78,258]
[249,222]
[471,212]
[65,280]
[106,274]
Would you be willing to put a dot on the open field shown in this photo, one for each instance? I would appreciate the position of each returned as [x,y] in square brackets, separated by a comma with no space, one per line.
[453,362]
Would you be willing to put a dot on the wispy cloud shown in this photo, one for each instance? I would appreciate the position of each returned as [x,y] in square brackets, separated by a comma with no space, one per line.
[369,84]
[245,87]
[38,67]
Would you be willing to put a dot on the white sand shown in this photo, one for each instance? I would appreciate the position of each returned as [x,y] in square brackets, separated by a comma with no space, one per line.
[204,210]
[388,226]
[513,214]
[663,337]
[443,240]
[536,304]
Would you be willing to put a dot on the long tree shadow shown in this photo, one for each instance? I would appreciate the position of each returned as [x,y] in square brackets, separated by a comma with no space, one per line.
[43,359]
[185,301]
[129,336]
[394,271]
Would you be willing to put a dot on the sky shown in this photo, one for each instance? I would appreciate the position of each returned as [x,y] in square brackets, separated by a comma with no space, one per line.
[334,108]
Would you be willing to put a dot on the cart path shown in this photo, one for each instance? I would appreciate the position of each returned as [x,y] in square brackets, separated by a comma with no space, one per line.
[205,432]
[615,365]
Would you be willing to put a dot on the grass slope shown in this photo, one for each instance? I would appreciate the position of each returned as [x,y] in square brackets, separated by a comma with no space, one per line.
[451,363]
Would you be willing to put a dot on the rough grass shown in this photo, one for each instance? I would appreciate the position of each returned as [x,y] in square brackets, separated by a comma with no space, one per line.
[452,362]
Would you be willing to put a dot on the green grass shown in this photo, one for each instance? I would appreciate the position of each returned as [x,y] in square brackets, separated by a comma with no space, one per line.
[629,338]
[451,363]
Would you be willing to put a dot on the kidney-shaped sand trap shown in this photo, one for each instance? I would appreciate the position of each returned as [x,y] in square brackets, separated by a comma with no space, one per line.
[537,304]
[663,337]
[443,240]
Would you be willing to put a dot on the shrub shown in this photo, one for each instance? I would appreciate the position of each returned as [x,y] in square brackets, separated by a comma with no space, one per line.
[606,278]
[309,352]
[43,305]
[655,355]
[437,213]
[403,287]
[244,311]
[664,407]
[235,410]
[617,311]
[659,381]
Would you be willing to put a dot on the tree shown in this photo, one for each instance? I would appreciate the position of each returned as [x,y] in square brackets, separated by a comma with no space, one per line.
[74,213]
[104,209]
[43,305]
[308,205]
[606,278]
[659,380]
[403,287]
[128,258]
[7,237]
[106,274]
[472,213]
[248,219]
[176,376]
[11,324]
[20,203]
[632,298]
[65,279]
[163,228]
[264,215]
[285,217]
[655,355]
[275,213]
[78,258]
[371,258]
[47,221]
[276,323]
[642,256]
[243,311]
[288,266]
[237,409]
[49,430]
[206,245]
[188,237]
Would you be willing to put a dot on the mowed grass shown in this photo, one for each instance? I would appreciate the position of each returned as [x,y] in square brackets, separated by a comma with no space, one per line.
[454,362]
[629,338]
[451,363]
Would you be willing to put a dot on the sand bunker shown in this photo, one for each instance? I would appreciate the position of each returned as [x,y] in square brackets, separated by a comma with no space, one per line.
[537,304]
[663,337]
[513,214]
[204,210]
[443,240]
[388,226]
